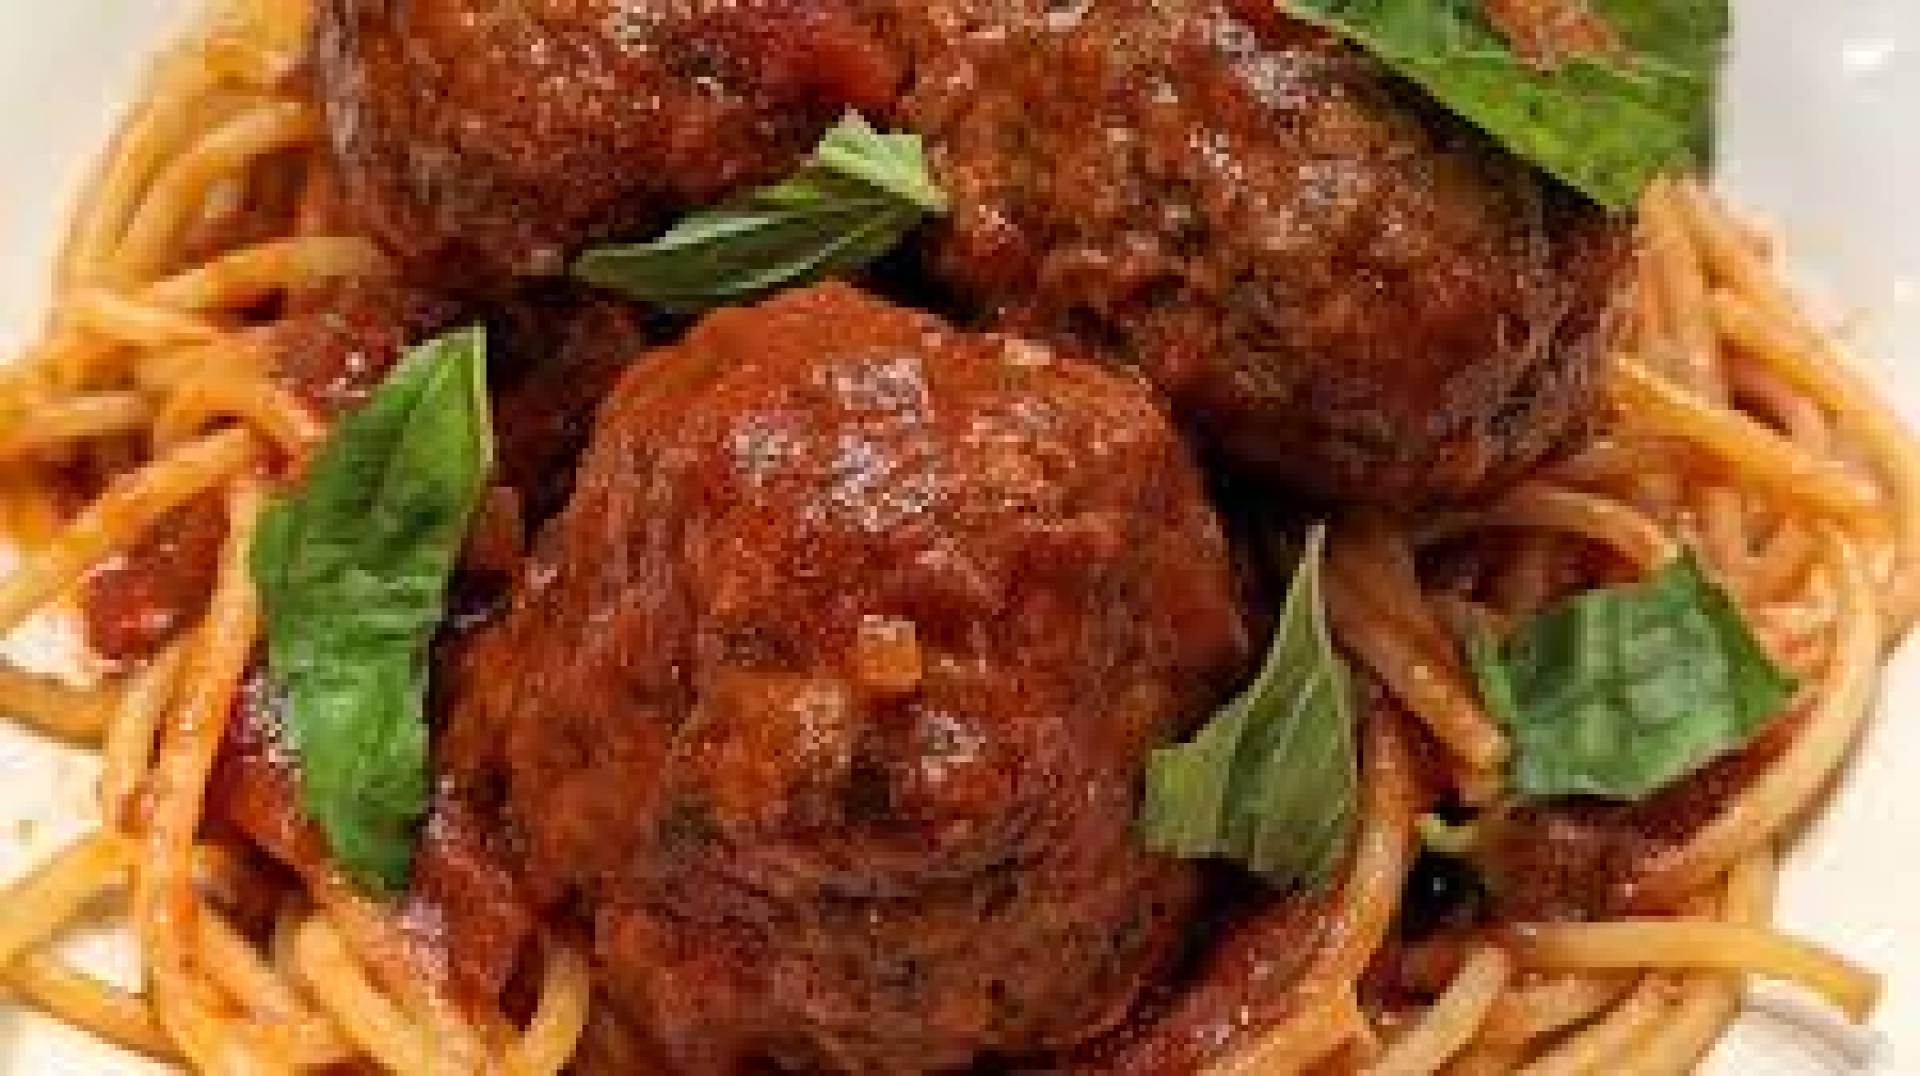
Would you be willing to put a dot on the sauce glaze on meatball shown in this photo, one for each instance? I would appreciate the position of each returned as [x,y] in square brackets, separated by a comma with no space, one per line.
[1338,285]
[824,705]
[487,139]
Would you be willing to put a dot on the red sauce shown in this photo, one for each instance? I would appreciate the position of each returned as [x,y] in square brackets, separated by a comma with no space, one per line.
[463,907]
[139,601]
[1548,33]
[253,787]
[1580,858]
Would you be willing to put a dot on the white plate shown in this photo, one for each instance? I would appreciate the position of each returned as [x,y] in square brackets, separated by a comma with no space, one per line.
[1822,135]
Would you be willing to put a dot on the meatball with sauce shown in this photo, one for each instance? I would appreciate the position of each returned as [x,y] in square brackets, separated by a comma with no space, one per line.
[482,140]
[823,707]
[1340,286]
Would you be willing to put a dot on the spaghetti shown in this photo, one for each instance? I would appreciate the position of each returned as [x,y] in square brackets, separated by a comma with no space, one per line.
[137,312]
[1734,427]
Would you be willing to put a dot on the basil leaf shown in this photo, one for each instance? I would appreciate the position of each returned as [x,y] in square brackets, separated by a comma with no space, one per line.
[1271,781]
[1622,692]
[858,196]
[1605,124]
[352,571]
[895,163]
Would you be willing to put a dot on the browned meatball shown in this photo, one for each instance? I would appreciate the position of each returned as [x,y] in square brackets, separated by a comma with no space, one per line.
[825,703]
[1337,284]
[484,138]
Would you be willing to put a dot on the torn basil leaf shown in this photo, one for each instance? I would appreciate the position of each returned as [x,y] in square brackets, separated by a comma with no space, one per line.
[1605,122]
[855,199]
[1271,782]
[352,570]
[1624,691]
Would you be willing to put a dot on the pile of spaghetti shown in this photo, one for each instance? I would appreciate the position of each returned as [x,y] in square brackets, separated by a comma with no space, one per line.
[145,357]
[1732,427]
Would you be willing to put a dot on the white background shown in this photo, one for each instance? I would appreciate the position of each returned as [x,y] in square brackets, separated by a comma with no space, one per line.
[1822,135]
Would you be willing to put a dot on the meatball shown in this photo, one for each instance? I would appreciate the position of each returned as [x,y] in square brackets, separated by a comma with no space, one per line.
[1341,287]
[824,705]
[486,139]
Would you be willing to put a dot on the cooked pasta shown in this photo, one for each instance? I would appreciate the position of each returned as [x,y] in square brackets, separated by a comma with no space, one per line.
[1734,426]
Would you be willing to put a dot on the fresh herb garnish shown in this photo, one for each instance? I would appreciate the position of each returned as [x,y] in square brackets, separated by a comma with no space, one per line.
[855,199]
[1621,692]
[352,571]
[1272,781]
[1606,122]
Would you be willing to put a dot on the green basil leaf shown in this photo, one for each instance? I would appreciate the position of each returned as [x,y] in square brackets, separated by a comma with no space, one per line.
[352,569]
[1624,691]
[1271,782]
[1604,124]
[895,163]
[855,199]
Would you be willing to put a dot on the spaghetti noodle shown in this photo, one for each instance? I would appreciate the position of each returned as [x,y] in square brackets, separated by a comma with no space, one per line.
[134,311]
[1734,426]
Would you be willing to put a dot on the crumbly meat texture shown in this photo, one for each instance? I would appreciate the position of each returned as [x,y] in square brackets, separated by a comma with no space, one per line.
[823,707]
[480,140]
[1338,285]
